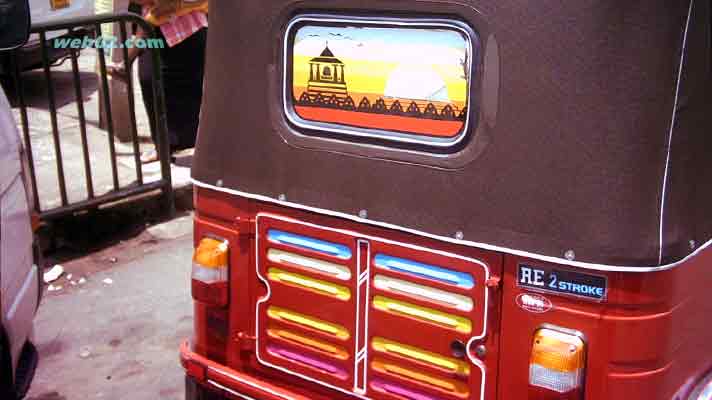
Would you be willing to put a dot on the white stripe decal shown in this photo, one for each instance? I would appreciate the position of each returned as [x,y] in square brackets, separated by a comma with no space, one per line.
[228,390]
[252,384]
[483,246]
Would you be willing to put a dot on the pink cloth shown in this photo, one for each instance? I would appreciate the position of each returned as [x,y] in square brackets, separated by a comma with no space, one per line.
[180,28]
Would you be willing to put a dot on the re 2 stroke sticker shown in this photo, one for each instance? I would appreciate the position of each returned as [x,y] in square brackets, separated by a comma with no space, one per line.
[554,280]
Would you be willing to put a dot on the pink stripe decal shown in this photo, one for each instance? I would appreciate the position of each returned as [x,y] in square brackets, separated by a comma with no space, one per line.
[400,391]
[311,362]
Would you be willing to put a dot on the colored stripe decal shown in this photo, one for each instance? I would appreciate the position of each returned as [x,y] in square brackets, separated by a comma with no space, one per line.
[421,292]
[398,390]
[281,314]
[286,258]
[307,361]
[318,345]
[459,279]
[455,322]
[457,388]
[394,348]
[305,282]
[305,242]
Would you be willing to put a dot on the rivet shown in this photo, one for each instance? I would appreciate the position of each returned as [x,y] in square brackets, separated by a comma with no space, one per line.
[282,197]
[219,183]
[459,235]
[363,214]
[693,244]
[570,255]
[481,351]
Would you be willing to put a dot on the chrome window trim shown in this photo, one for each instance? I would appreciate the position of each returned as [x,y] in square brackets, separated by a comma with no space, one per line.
[471,40]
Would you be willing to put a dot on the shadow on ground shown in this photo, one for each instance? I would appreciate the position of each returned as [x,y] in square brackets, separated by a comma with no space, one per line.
[93,231]
[35,88]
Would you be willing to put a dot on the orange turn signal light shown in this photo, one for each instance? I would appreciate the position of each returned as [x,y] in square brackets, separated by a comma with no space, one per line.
[558,351]
[558,362]
[211,253]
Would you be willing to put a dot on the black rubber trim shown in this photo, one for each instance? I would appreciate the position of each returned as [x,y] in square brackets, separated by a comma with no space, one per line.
[26,368]
[7,390]
[195,391]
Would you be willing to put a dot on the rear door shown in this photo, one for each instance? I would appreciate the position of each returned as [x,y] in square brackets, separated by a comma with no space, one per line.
[18,276]
[372,317]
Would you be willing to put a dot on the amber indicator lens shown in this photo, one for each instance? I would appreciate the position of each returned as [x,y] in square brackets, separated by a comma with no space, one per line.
[210,272]
[557,365]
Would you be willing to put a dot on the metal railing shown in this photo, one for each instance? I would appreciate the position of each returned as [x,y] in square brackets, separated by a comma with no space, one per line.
[118,192]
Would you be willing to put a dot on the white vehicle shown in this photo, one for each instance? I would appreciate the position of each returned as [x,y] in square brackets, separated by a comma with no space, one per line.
[19,276]
[44,11]
[52,10]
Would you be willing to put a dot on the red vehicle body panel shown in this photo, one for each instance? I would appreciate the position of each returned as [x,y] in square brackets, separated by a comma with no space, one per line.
[647,340]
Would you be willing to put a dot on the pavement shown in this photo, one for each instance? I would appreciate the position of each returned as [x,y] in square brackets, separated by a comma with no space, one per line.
[112,325]
[116,336]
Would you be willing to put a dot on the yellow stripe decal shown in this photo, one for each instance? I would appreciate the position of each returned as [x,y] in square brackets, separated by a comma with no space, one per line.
[456,388]
[455,322]
[323,347]
[410,289]
[394,348]
[305,282]
[284,257]
[281,314]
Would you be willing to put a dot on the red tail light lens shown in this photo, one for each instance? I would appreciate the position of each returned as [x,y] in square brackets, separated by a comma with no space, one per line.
[211,332]
[210,287]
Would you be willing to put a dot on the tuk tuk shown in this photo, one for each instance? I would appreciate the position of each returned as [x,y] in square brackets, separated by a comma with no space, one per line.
[454,200]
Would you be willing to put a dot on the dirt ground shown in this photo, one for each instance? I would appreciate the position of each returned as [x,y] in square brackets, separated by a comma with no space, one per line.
[116,336]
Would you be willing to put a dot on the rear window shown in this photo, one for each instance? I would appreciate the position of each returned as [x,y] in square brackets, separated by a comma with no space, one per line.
[404,80]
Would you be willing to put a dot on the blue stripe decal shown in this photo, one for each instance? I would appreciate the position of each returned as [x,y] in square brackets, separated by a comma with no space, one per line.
[448,276]
[305,242]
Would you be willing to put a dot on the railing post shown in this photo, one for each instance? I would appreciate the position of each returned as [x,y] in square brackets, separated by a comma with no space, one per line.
[119,191]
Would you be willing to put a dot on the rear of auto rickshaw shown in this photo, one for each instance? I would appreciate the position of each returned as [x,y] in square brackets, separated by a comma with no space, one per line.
[454,200]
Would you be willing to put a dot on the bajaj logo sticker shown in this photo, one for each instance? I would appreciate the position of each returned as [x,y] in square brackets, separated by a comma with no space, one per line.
[534,303]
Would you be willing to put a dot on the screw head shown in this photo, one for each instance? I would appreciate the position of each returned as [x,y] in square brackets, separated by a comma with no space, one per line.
[219,183]
[481,351]
[570,255]
[693,244]
[282,197]
[459,235]
[363,214]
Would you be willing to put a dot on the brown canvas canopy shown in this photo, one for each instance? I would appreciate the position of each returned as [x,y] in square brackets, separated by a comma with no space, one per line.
[569,144]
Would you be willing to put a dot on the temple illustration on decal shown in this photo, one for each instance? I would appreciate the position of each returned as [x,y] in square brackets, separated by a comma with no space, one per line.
[351,77]
[326,76]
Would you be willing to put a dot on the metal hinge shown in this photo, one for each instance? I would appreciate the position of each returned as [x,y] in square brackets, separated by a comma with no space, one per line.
[247,341]
[245,226]
[493,282]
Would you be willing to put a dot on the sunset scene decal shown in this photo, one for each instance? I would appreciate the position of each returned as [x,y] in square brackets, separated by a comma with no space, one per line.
[407,80]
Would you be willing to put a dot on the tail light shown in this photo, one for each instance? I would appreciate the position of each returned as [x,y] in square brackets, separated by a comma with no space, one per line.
[557,365]
[210,290]
[210,272]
